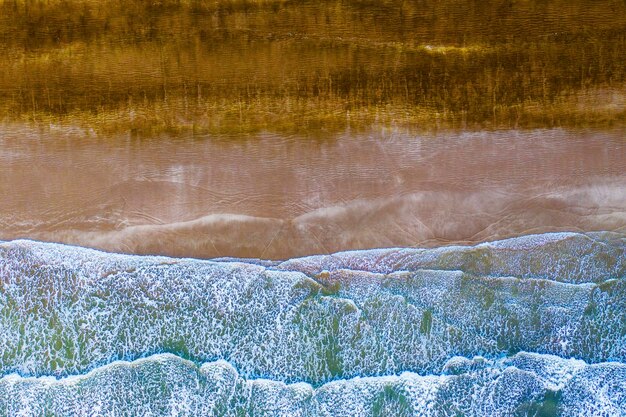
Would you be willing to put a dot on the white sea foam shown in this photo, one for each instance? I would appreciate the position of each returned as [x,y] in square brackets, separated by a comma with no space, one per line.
[66,310]
[338,322]
[522,383]
[564,257]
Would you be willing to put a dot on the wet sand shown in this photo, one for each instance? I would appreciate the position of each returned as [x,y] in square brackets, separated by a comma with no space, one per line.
[276,197]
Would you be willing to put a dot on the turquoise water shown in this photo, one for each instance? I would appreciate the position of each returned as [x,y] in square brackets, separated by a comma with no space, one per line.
[534,325]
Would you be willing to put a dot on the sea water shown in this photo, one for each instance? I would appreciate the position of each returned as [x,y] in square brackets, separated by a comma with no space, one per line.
[527,326]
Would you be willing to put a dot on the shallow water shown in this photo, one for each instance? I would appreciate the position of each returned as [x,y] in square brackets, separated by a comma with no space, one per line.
[276,197]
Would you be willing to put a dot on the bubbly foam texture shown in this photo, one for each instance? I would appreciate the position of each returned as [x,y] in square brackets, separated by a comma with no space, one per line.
[167,385]
[339,323]
[563,257]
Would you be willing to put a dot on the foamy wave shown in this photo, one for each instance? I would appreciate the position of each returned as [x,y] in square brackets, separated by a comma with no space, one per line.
[66,310]
[563,257]
[167,385]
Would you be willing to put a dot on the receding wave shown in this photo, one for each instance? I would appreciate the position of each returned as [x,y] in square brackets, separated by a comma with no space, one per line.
[67,310]
[278,197]
[167,385]
[407,220]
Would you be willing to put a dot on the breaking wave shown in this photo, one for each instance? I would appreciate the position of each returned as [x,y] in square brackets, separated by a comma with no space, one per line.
[166,385]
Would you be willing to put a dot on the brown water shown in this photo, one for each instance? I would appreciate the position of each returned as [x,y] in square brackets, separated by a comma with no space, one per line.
[241,66]
[275,196]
